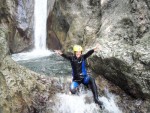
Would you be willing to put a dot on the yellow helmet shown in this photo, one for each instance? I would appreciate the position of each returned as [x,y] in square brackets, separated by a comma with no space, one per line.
[77,48]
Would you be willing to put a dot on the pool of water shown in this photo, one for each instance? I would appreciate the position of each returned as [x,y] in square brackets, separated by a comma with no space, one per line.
[51,65]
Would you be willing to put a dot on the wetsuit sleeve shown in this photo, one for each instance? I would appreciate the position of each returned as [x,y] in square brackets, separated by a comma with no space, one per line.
[66,56]
[88,54]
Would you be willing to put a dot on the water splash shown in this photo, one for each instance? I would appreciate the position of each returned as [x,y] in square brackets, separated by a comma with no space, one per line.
[75,104]
[110,102]
[83,103]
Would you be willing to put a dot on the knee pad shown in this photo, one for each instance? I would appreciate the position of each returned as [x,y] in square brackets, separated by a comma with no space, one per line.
[73,87]
[86,80]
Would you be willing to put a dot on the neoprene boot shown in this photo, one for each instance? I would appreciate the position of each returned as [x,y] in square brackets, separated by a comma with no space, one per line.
[95,93]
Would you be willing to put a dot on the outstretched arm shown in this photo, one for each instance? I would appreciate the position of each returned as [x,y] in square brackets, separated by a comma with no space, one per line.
[96,48]
[59,52]
[90,52]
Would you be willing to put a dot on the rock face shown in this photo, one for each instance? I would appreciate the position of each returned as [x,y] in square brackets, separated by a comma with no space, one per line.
[75,21]
[52,39]
[21,28]
[24,91]
[21,90]
[120,27]
[125,55]
[18,88]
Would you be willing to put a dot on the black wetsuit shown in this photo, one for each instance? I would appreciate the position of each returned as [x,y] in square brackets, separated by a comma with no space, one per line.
[78,65]
[80,75]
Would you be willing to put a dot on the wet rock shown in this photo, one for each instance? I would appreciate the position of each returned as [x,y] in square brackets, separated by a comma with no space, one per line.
[23,91]
[53,41]
[21,26]
[3,44]
[75,21]
[123,48]
[126,103]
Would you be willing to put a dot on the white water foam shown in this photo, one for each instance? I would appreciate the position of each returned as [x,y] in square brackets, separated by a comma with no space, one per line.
[110,102]
[74,104]
[31,55]
[77,104]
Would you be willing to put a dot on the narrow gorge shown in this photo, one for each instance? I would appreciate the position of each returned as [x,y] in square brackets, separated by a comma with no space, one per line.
[38,82]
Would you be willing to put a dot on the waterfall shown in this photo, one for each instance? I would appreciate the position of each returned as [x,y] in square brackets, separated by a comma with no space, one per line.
[40,18]
[40,31]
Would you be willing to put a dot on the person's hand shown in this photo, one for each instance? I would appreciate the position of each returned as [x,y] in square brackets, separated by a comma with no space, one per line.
[59,52]
[97,47]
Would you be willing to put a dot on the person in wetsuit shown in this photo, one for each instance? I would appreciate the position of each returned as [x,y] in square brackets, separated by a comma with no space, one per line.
[79,73]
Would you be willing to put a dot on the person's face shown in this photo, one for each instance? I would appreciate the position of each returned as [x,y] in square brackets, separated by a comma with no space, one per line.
[78,54]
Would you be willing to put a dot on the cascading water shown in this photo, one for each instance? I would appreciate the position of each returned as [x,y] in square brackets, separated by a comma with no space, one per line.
[40,19]
[40,15]
[83,103]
